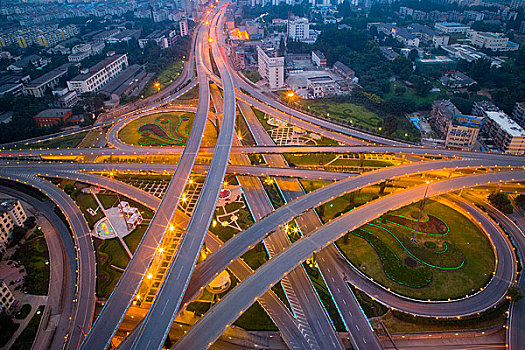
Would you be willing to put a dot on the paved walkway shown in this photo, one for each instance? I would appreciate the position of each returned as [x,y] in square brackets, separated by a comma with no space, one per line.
[117,221]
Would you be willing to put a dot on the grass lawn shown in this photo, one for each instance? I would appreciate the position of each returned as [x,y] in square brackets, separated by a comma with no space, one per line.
[252,75]
[159,129]
[165,129]
[109,252]
[401,323]
[85,201]
[27,337]
[70,141]
[256,257]
[312,185]
[344,112]
[164,78]
[90,138]
[34,256]
[133,239]
[460,262]
[193,93]
[413,96]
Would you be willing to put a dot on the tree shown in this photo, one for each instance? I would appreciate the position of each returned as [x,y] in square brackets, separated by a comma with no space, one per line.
[514,293]
[520,201]
[501,201]
[69,188]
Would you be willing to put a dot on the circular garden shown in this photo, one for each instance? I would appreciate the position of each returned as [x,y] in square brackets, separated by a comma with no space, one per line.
[450,258]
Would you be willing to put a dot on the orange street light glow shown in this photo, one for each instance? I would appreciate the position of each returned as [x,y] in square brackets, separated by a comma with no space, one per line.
[210,40]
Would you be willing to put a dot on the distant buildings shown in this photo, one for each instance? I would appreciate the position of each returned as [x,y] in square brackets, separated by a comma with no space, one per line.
[491,41]
[442,63]
[51,117]
[92,79]
[469,54]
[271,68]
[45,36]
[505,132]
[7,299]
[344,71]
[82,51]
[451,27]
[457,80]
[11,214]
[298,29]
[460,131]
[38,86]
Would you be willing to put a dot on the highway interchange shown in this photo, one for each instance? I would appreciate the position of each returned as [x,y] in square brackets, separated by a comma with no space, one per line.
[309,325]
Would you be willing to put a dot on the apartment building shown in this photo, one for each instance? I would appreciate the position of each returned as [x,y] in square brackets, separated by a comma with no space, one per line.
[7,300]
[460,131]
[92,79]
[271,68]
[505,132]
[11,214]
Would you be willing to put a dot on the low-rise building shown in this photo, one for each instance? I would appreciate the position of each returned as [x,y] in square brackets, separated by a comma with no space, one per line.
[505,132]
[452,27]
[460,131]
[7,299]
[320,87]
[457,80]
[38,86]
[442,63]
[343,70]
[92,79]
[318,58]
[491,41]
[271,68]
[52,117]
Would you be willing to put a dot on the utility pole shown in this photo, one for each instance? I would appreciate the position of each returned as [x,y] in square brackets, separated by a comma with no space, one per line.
[421,210]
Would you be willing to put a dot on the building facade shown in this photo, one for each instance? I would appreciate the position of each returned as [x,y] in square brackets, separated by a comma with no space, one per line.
[7,299]
[298,29]
[11,213]
[460,131]
[271,69]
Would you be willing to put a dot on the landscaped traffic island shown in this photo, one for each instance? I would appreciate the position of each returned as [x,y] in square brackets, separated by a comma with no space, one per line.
[163,129]
[450,257]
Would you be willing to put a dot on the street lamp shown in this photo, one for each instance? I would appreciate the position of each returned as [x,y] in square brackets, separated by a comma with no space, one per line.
[210,40]
[157,86]
[421,210]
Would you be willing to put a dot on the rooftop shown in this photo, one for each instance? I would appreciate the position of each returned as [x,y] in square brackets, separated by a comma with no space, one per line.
[506,123]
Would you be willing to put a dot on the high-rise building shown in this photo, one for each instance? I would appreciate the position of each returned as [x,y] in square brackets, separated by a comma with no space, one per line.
[271,68]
